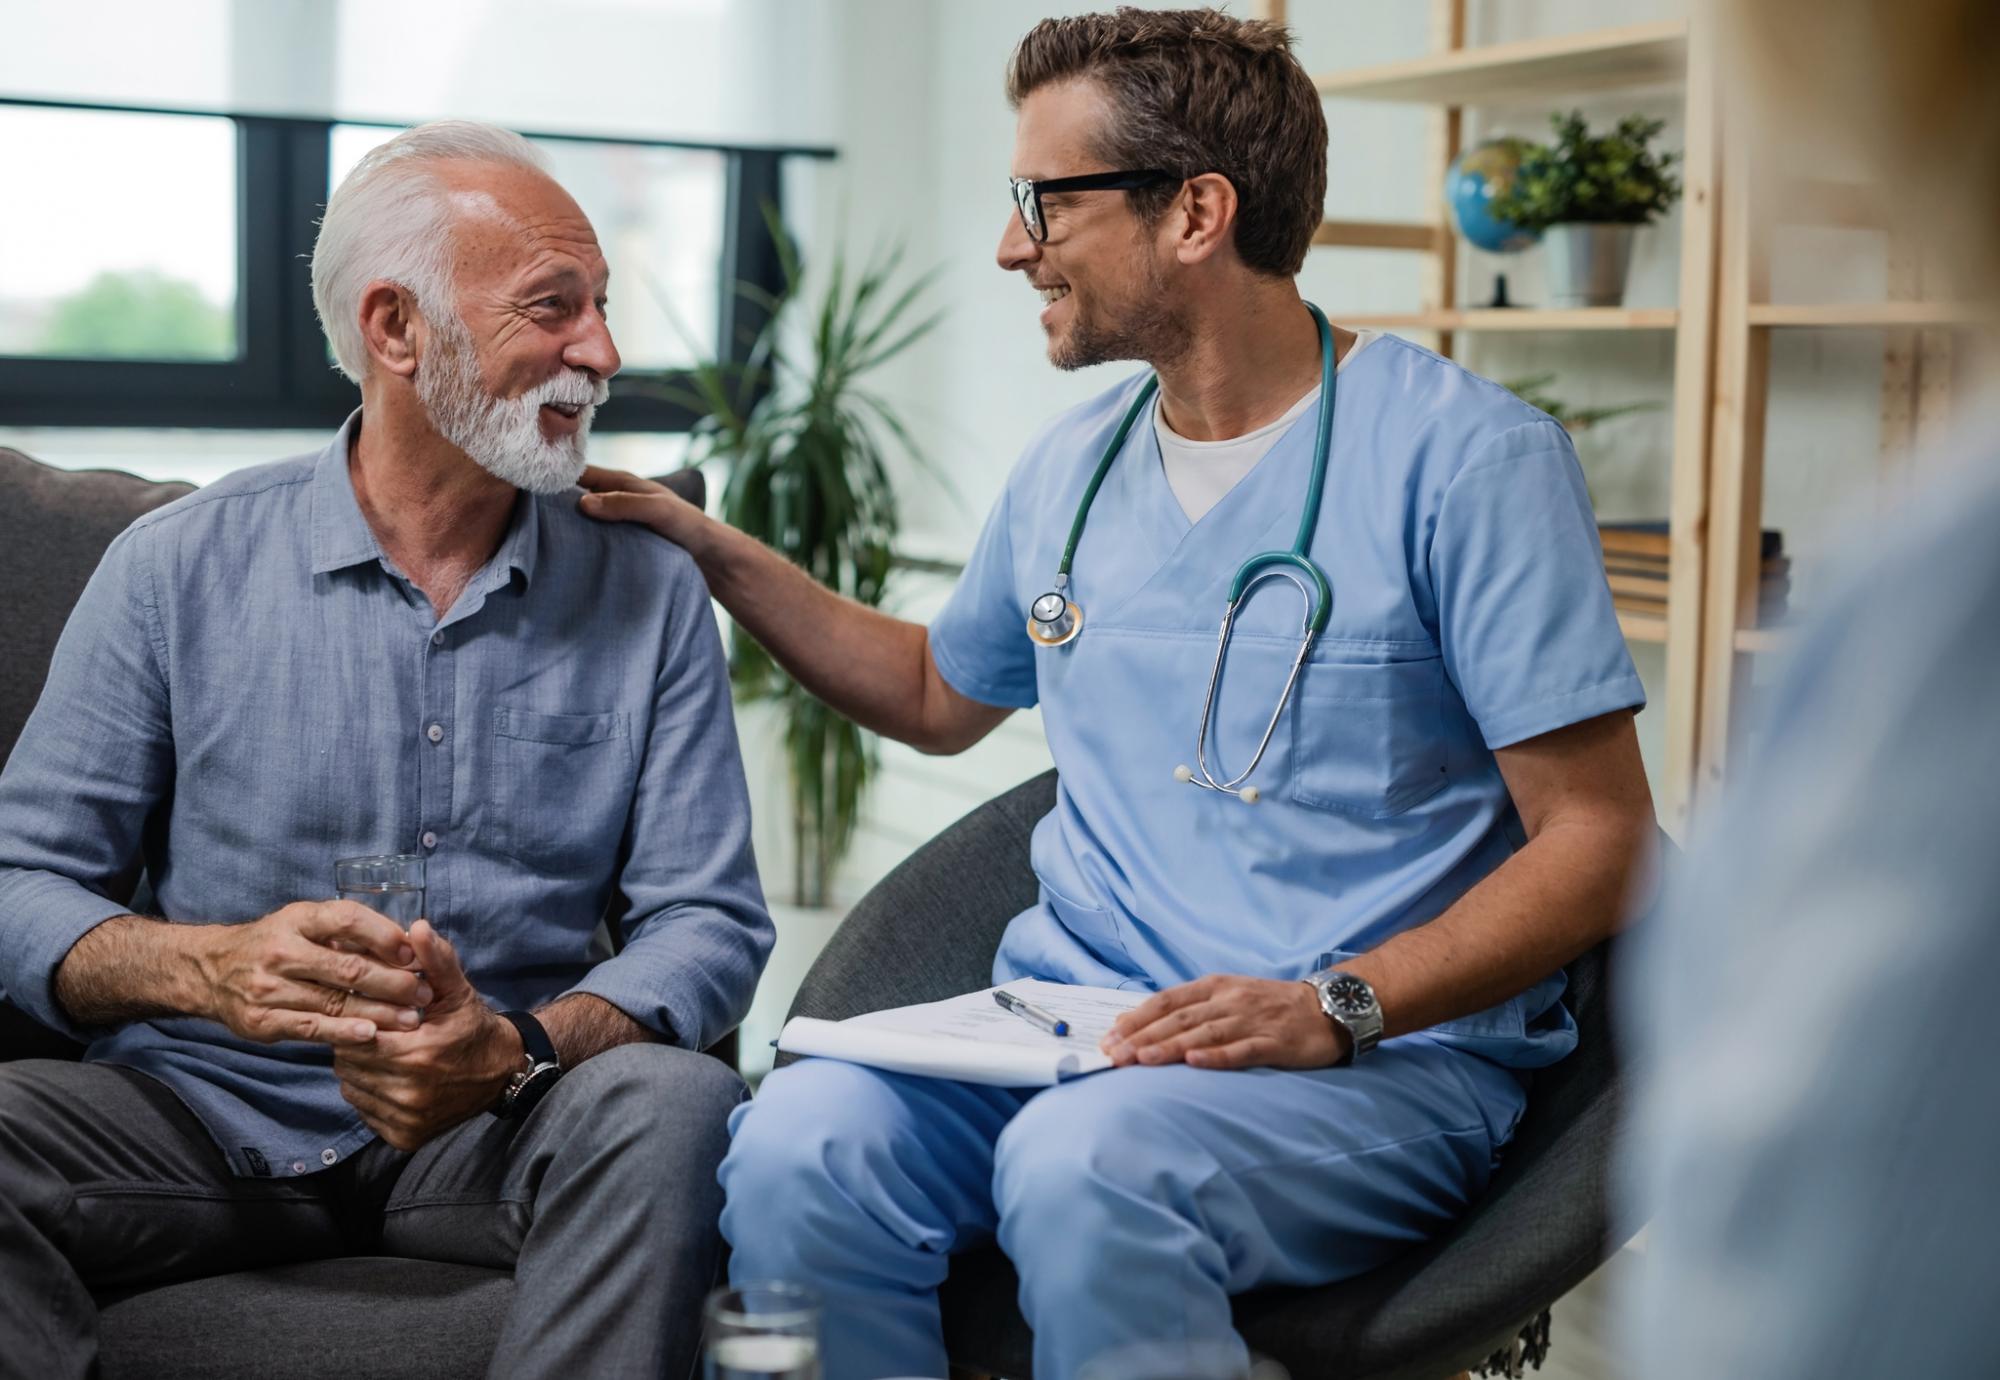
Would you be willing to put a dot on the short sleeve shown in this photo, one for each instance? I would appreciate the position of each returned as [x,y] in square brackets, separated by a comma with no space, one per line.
[1525,618]
[980,641]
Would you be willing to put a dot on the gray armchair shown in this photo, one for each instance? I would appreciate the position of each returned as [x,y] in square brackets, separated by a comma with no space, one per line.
[1480,1294]
[357,1316]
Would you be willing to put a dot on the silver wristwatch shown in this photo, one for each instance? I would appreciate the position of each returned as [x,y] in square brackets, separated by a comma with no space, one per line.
[1350,1004]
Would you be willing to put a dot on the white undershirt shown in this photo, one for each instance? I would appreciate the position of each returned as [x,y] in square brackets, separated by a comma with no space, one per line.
[1201,472]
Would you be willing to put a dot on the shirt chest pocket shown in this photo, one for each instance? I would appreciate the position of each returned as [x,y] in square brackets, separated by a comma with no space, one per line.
[562,787]
[1368,738]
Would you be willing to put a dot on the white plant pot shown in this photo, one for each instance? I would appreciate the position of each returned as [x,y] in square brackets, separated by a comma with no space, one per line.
[1588,262]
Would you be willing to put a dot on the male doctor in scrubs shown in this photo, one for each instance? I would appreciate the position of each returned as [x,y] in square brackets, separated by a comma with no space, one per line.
[1452,804]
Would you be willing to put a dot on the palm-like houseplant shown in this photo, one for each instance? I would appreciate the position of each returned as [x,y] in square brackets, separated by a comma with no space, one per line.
[806,443]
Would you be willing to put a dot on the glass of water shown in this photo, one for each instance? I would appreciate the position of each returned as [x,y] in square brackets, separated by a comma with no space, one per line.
[391,883]
[767,1331]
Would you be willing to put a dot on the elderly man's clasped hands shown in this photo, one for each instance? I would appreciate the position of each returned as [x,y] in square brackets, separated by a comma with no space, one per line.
[415,1048]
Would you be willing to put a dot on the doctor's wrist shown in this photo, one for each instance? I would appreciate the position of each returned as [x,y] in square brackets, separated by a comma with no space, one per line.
[1328,1043]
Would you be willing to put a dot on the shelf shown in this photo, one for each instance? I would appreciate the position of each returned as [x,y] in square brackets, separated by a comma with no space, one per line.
[1773,638]
[1519,319]
[1382,234]
[1865,314]
[1640,627]
[1530,72]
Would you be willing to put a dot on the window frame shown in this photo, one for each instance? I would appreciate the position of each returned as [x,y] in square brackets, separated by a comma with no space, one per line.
[281,378]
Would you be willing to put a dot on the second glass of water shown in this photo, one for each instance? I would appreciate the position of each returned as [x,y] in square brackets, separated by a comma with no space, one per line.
[391,883]
[762,1332]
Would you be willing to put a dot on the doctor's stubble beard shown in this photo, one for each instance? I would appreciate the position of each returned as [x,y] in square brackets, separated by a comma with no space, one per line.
[1152,330]
[504,435]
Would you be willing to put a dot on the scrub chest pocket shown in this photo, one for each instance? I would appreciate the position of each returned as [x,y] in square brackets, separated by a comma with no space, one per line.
[1368,739]
[562,783]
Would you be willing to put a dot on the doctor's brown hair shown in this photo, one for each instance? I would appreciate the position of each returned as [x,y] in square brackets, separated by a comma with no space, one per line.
[1198,91]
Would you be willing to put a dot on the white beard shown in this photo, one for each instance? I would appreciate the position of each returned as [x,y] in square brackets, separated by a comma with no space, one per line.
[504,435]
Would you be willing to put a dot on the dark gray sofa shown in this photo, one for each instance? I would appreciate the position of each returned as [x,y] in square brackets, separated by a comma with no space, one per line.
[338,1319]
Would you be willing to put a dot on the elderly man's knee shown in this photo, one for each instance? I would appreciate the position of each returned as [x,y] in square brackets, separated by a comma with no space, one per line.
[657,1086]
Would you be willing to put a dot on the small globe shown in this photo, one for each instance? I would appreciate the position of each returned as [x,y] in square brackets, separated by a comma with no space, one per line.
[1474,179]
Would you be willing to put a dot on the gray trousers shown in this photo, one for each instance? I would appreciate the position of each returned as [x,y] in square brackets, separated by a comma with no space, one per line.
[603,1202]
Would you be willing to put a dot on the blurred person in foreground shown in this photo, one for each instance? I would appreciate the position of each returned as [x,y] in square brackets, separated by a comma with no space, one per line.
[1816,1136]
[400,642]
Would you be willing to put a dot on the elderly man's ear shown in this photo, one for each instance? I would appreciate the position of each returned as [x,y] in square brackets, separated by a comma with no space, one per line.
[392,327]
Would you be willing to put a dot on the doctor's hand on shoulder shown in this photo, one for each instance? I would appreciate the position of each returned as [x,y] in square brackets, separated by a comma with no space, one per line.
[1226,1022]
[617,496]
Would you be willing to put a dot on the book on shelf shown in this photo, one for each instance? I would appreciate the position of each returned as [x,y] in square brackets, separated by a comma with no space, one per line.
[1649,539]
[1638,567]
[1639,579]
[1770,609]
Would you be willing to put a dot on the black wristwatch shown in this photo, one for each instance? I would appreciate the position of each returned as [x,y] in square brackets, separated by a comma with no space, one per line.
[538,1073]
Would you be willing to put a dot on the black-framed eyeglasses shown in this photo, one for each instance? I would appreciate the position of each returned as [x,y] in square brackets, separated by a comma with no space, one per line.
[1028,192]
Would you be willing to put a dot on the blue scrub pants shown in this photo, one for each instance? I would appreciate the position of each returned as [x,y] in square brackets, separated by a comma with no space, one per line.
[1133,1202]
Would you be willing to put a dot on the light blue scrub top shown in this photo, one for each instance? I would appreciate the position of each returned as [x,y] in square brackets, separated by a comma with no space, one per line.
[1470,612]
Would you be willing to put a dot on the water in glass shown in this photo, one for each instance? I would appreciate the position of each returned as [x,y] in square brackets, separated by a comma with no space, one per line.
[771,1356]
[403,904]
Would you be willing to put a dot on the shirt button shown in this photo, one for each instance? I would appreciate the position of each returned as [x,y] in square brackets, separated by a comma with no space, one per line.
[435,733]
[437,639]
[430,839]
[328,1155]
[298,1166]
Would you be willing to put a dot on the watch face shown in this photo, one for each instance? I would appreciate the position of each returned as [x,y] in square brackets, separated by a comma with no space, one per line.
[1350,995]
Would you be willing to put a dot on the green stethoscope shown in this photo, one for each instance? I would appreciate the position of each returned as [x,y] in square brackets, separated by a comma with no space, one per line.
[1054,618]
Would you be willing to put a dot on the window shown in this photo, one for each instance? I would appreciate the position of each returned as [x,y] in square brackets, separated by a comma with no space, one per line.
[162,280]
[88,276]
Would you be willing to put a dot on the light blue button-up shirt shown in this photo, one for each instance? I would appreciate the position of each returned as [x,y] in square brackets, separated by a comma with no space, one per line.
[249,689]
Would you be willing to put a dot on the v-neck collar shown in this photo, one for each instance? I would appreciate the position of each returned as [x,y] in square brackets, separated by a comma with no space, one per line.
[1234,518]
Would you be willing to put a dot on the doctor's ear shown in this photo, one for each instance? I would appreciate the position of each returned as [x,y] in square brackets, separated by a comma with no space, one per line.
[391,327]
[1207,215]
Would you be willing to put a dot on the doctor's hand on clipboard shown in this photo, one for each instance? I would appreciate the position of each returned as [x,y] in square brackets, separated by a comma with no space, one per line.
[1226,1022]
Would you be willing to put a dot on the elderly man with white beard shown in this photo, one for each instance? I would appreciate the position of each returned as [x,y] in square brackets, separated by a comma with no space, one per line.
[407,642]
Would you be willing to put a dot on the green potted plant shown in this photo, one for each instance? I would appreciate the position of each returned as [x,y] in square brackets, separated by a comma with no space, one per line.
[1589,194]
[805,443]
[1534,391]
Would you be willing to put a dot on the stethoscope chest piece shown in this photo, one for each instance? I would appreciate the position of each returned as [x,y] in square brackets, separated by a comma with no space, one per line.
[1054,620]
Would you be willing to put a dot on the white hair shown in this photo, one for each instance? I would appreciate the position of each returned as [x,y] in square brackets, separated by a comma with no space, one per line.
[389,220]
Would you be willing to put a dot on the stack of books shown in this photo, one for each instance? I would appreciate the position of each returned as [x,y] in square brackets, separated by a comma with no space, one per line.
[1635,564]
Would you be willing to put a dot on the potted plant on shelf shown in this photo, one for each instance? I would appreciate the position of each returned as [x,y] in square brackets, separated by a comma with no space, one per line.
[805,443]
[1588,194]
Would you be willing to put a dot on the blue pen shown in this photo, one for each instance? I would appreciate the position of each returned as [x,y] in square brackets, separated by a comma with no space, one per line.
[1030,1013]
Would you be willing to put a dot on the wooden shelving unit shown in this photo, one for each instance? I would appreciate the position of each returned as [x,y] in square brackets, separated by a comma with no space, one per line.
[1632,58]
[1723,324]
[1544,73]
[1879,315]
[1917,380]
